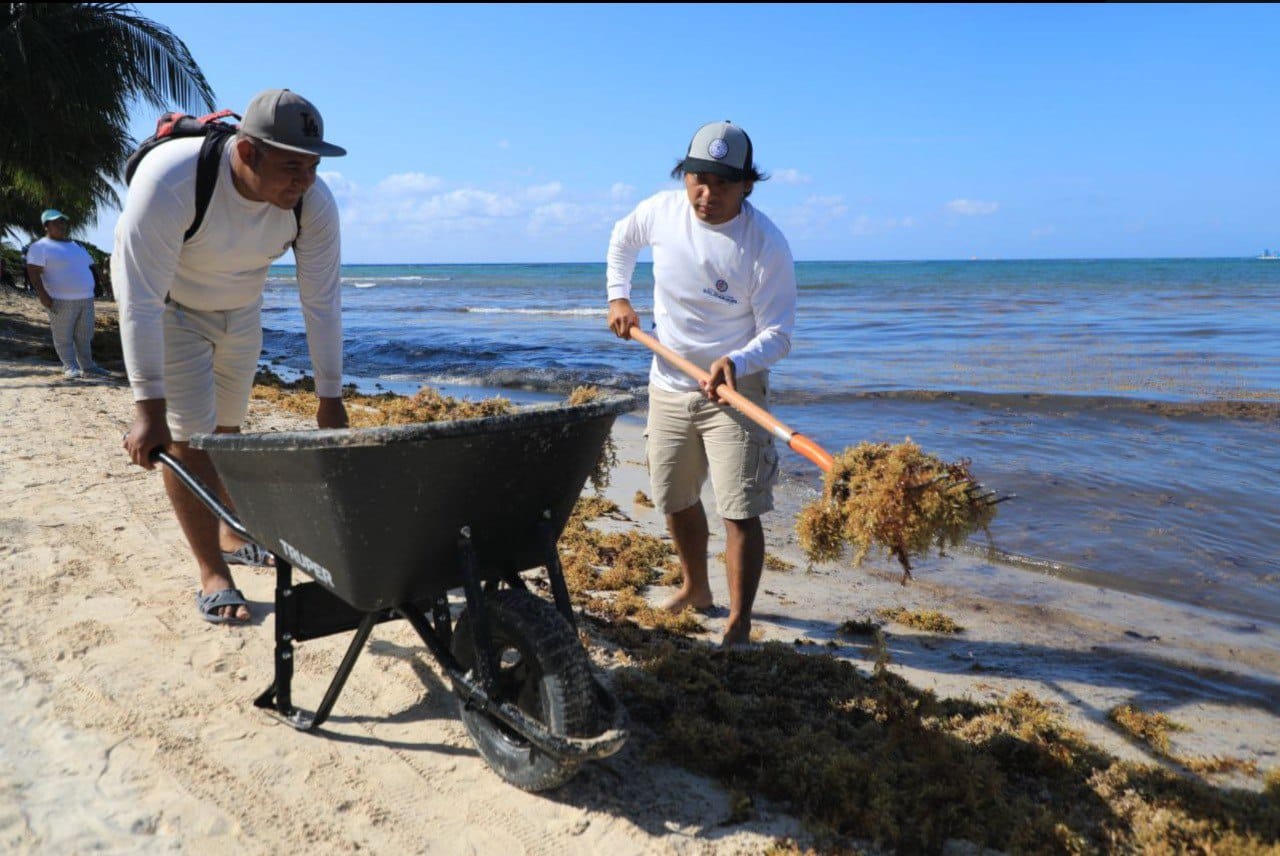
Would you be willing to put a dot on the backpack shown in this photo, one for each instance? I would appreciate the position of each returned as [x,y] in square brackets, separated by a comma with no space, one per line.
[216,133]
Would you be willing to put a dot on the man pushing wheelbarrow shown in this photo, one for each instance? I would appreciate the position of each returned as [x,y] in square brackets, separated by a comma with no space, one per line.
[190,293]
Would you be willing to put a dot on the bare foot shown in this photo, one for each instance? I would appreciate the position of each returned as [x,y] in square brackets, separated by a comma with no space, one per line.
[737,634]
[682,600]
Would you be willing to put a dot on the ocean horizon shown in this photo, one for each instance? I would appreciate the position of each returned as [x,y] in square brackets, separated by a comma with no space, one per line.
[1258,257]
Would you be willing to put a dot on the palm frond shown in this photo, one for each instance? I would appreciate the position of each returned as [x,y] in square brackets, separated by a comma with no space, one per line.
[71,74]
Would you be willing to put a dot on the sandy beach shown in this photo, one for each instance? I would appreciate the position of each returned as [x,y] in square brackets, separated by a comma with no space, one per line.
[127,724]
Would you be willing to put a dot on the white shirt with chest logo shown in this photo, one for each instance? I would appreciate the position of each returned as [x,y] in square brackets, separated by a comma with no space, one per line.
[224,265]
[726,290]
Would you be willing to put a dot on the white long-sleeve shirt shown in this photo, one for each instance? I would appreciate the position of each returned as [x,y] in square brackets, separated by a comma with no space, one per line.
[726,290]
[223,266]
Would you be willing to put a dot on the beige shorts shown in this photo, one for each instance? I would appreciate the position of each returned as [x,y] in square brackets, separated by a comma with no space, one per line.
[689,437]
[210,359]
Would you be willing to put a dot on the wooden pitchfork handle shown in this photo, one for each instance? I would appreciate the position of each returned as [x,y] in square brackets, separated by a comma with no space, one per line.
[796,441]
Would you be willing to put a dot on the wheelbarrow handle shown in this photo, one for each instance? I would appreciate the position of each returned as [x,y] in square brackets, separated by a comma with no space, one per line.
[796,441]
[202,493]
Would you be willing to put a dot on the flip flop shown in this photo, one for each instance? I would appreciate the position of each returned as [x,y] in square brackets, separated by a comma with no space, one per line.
[209,604]
[249,554]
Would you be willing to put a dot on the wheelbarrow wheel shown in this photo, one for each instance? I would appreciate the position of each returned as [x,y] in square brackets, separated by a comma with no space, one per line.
[544,671]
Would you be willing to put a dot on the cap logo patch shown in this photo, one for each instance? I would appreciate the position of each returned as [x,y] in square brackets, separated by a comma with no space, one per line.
[309,126]
[718,149]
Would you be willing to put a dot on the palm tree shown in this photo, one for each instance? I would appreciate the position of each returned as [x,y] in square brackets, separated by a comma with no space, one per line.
[69,72]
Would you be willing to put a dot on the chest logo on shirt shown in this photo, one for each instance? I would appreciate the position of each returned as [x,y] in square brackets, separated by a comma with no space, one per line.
[720,292]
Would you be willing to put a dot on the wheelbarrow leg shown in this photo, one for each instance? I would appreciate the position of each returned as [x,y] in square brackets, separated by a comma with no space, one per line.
[344,670]
[485,668]
[559,590]
[279,694]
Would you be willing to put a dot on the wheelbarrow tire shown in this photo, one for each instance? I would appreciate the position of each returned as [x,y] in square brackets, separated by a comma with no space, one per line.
[544,671]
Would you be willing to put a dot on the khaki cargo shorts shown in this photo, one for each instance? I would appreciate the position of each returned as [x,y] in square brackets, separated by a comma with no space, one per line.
[688,437]
[210,359]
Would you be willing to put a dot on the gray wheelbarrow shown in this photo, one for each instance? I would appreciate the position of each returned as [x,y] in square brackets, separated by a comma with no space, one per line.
[387,521]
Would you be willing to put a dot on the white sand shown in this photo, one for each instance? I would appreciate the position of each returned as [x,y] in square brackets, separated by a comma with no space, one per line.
[127,724]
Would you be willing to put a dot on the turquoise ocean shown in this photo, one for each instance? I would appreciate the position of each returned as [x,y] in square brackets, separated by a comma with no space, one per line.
[1132,406]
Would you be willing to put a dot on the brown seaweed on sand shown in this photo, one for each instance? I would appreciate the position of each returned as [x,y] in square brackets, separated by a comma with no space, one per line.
[624,563]
[897,498]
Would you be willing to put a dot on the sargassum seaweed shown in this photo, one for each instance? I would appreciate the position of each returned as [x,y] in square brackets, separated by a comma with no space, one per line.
[894,497]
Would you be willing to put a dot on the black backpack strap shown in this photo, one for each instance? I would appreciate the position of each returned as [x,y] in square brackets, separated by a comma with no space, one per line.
[210,160]
[297,219]
[207,166]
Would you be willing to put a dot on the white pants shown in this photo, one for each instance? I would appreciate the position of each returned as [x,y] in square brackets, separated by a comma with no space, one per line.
[210,359]
[71,322]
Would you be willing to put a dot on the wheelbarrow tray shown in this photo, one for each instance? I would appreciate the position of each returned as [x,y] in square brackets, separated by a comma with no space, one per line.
[375,514]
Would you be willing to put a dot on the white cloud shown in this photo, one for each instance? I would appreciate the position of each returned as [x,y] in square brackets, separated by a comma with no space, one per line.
[558,215]
[421,210]
[543,192]
[791,176]
[813,216]
[409,183]
[569,216]
[465,202]
[972,207]
[865,224]
[338,184]
[826,206]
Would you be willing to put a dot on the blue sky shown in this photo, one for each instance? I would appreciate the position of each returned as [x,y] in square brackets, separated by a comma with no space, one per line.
[522,133]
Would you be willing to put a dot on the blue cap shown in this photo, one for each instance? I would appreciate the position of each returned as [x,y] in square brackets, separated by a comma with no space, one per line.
[52,214]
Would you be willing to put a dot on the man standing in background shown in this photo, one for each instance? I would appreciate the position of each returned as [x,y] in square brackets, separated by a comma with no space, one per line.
[63,276]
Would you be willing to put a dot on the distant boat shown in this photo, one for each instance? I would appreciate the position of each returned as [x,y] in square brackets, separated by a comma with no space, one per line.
[1267,255]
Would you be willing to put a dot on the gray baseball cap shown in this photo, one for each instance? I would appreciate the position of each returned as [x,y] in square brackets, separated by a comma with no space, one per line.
[720,148]
[286,120]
